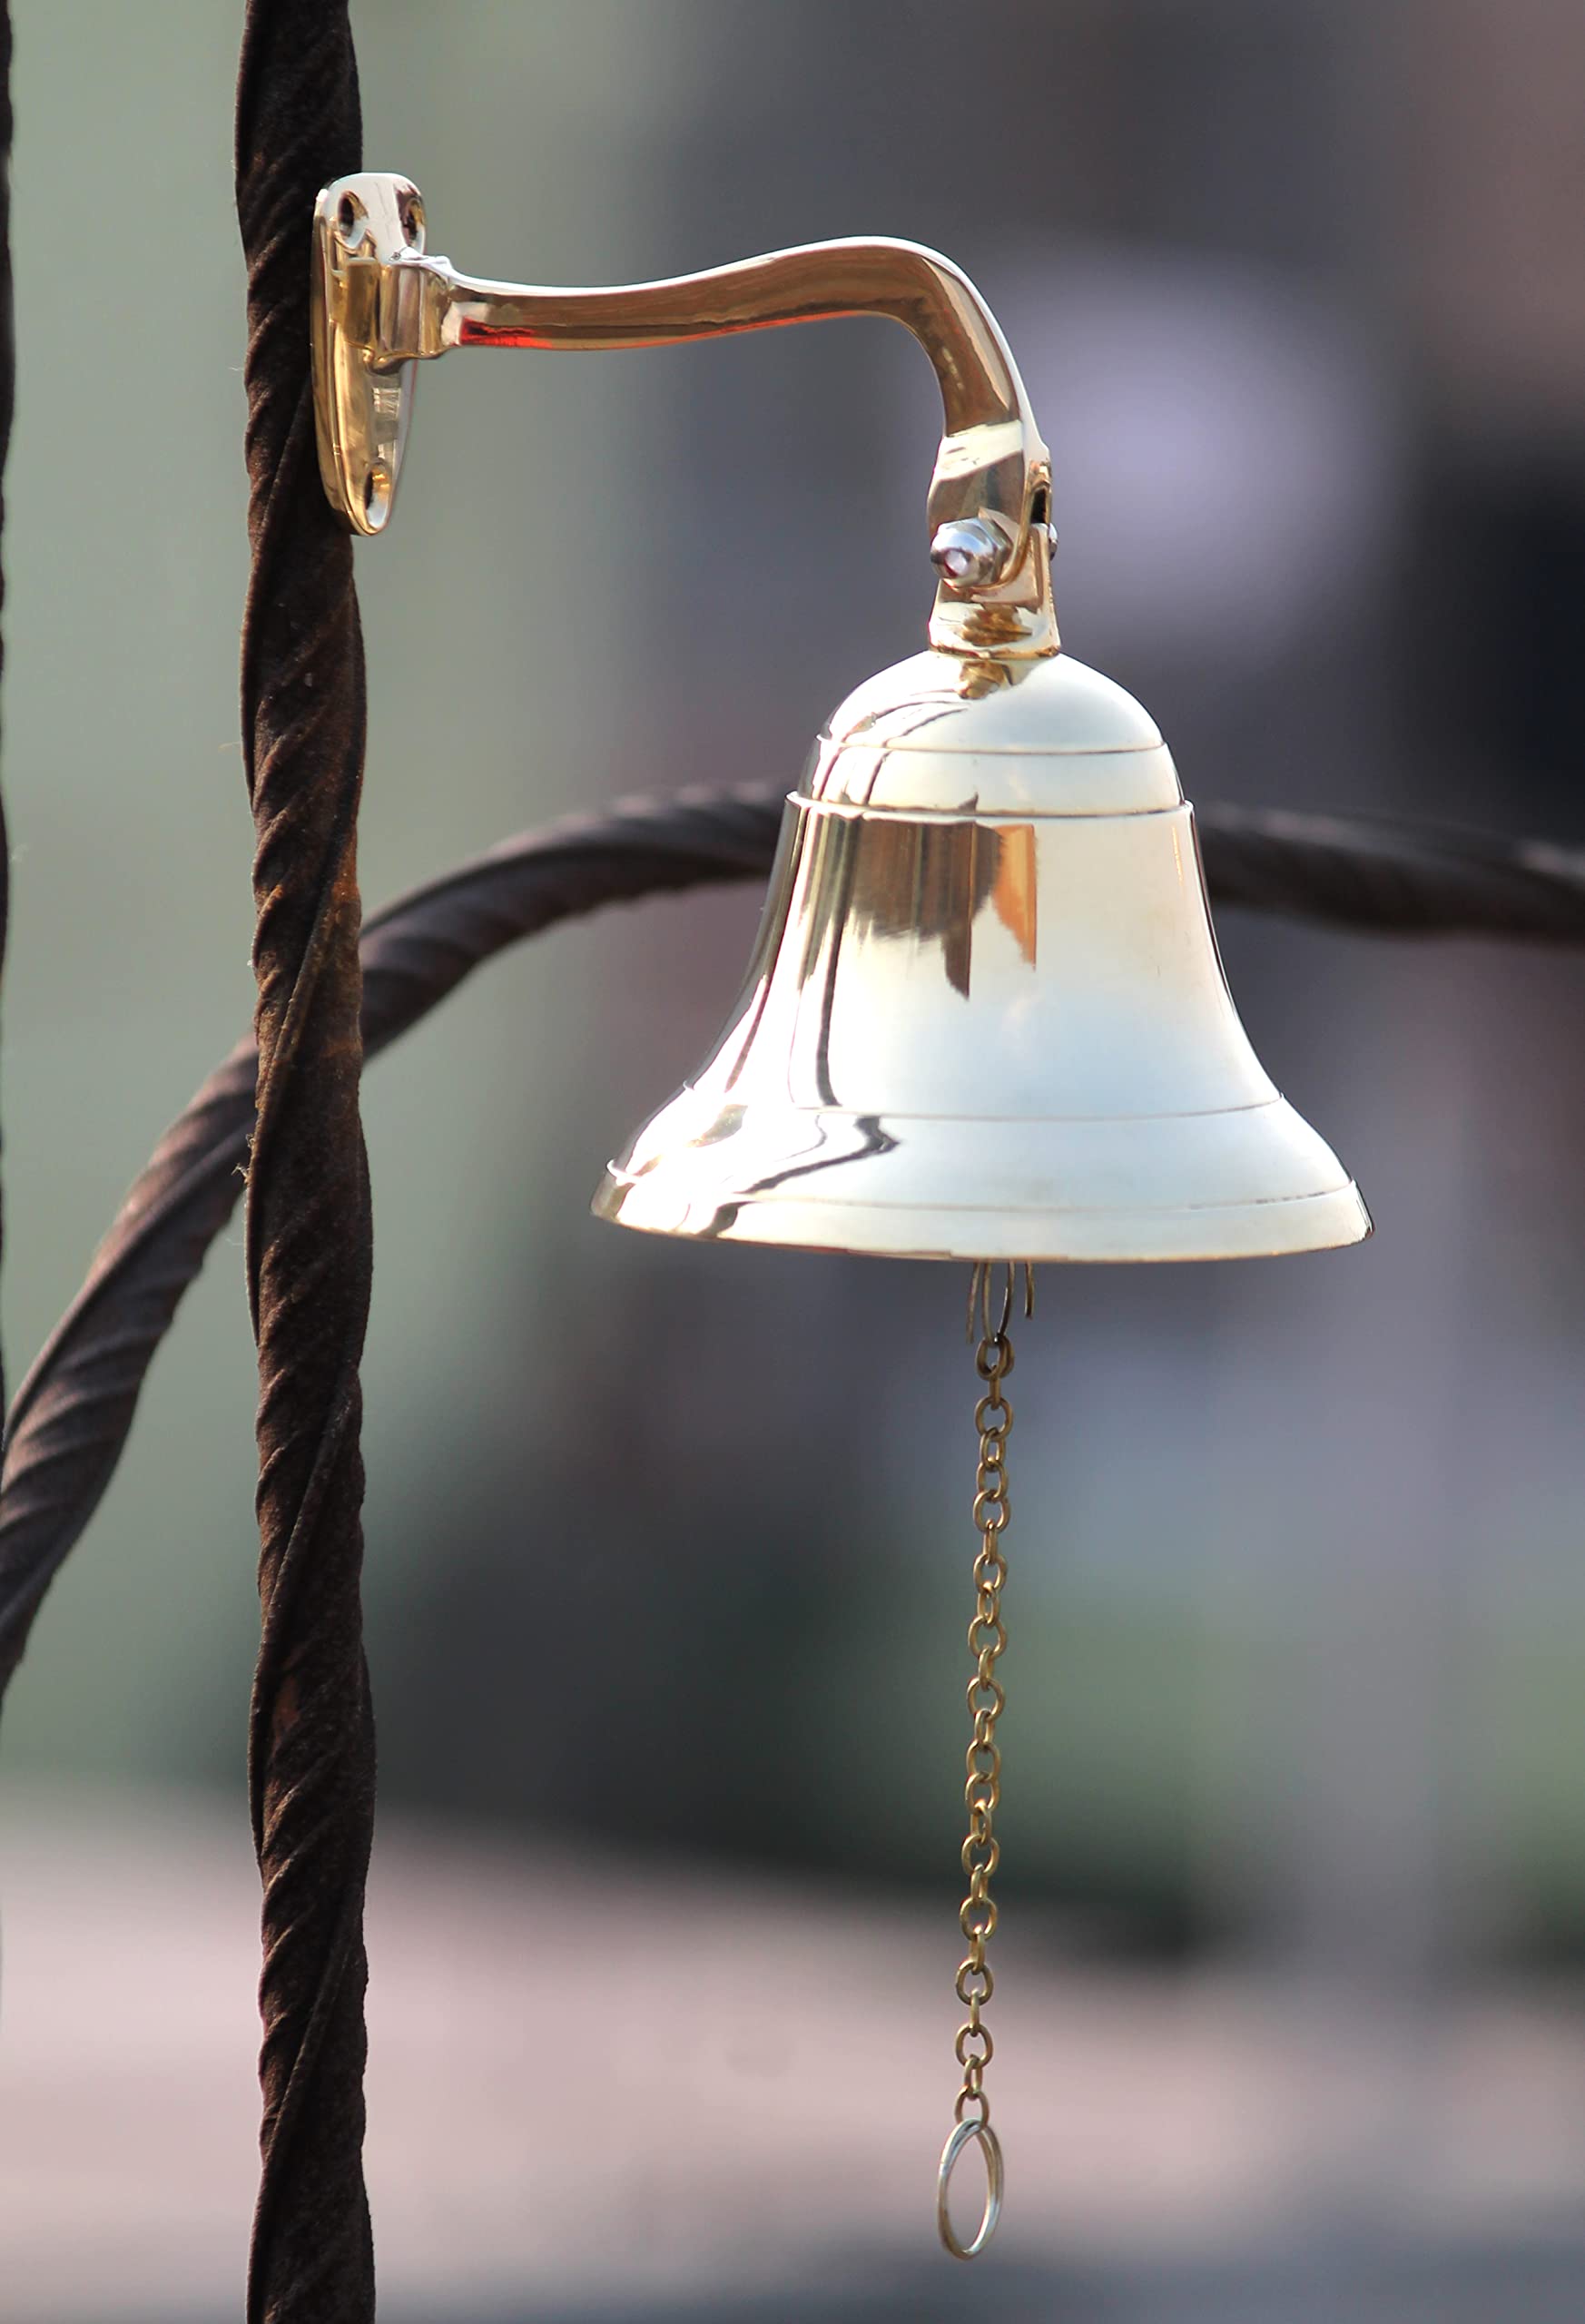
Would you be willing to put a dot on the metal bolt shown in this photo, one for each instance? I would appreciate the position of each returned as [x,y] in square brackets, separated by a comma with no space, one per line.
[967,554]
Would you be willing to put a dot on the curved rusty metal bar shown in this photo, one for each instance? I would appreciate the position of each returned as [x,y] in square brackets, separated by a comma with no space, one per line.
[74,1412]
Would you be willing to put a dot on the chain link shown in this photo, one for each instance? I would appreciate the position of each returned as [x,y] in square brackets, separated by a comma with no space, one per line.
[981,1850]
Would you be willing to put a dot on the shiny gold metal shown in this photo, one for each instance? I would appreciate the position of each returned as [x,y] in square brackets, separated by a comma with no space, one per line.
[981,1851]
[381,303]
[986,1016]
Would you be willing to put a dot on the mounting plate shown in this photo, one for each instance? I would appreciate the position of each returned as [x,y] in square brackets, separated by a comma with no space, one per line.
[362,409]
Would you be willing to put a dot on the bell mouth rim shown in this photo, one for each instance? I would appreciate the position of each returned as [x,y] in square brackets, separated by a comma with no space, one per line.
[1269,1226]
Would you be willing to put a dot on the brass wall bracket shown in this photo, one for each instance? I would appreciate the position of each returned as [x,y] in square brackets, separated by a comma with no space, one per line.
[381,303]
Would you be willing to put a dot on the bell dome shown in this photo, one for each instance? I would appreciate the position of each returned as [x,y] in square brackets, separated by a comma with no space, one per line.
[943,734]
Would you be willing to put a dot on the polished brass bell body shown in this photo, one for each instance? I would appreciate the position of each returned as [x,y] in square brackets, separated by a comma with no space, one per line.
[986,1016]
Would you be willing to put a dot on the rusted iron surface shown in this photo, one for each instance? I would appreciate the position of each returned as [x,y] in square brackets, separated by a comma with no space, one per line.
[308,1235]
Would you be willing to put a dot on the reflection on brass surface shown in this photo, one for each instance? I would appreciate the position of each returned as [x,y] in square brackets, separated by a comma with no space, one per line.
[1012,883]
[927,883]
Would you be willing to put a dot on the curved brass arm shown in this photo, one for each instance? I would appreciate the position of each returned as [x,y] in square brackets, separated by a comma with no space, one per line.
[381,303]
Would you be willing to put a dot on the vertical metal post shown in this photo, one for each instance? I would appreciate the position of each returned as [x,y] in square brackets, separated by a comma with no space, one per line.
[312,1739]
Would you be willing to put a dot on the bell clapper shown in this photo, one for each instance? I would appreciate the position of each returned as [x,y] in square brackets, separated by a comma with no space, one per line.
[981,1852]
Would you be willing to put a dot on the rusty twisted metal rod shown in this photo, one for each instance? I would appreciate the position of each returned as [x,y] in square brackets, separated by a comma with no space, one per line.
[7,406]
[308,1238]
[74,1410]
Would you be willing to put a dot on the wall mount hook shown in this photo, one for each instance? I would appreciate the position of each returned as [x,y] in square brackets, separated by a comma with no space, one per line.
[381,303]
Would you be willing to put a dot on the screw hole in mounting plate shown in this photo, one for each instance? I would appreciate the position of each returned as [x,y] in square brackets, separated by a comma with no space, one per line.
[376,494]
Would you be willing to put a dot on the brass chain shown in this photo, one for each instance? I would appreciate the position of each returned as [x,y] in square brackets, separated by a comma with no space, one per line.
[981,1851]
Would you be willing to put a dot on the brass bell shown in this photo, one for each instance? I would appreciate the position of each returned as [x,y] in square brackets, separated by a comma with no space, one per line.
[986,1016]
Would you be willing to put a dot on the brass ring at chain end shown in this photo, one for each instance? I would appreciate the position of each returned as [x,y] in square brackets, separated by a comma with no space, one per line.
[960,2136]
